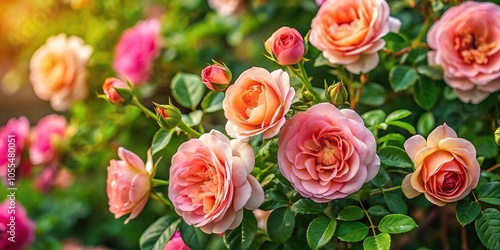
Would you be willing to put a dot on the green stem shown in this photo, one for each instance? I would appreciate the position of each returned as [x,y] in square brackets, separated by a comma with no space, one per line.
[188,130]
[372,226]
[159,182]
[423,31]
[146,111]
[161,198]
[385,190]
[304,78]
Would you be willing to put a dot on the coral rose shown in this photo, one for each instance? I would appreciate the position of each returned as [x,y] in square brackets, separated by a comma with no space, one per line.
[14,136]
[127,184]
[327,153]
[468,49]
[109,89]
[350,32]
[446,169]
[46,139]
[257,103]
[136,51]
[210,182]
[176,243]
[286,45]
[57,71]
[21,230]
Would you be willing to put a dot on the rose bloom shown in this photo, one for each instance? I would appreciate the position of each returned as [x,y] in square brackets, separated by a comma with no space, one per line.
[52,176]
[109,89]
[210,182]
[327,153]
[466,43]
[57,71]
[257,103]
[23,231]
[46,137]
[350,32]
[287,46]
[17,131]
[226,8]
[176,243]
[127,184]
[136,51]
[216,77]
[446,169]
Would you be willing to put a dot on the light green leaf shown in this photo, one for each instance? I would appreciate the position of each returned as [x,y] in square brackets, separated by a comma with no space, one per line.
[467,211]
[378,242]
[187,89]
[397,115]
[488,228]
[402,77]
[212,102]
[280,224]
[425,123]
[161,139]
[404,125]
[320,231]
[373,117]
[396,223]
[351,213]
[159,233]
[352,231]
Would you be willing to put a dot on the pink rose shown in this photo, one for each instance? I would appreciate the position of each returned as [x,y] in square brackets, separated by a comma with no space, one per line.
[109,89]
[52,176]
[226,8]
[14,136]
[46,139]
[466,43]
[257,103]
[176,243]
[286,45]
[57,71]
[136,51]
[446,169]
[210,182]
[128,184]
[350,32]
[327,153]
[216,77]
[23,230]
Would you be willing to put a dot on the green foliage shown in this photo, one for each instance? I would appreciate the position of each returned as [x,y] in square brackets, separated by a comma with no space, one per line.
[280,224]
[396,224]
[395,157]
[467,211]
[351,213]
[402,77]
[159,233]
[306,206]
[161,139]
[352,231]
[243,236]
[320,231]
[378,242]
[193,236]
[187,89]
[490,193]
[488,228]
[395,203]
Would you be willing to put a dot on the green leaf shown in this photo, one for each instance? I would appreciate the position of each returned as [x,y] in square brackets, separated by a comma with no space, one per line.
[395,203]
[274,199]
[193,118]
[379,242]
[187,89]
[490,193]
[425,94]
[374,117]
[485,146]
[373,94]
[467,211]
[396,224]
[426,123]
[161,139]
[193,237]
[243,236]
[212,102]
[392,137]
[404,125]
[351,213]
[280,224]
[395,157]
[307,206]
[394,37]
[378,210]
[397,115]
[488,228]
[381,179]
[352,231]
[433,73]
[417,55]
[402,77]
[159,233]
[320,231]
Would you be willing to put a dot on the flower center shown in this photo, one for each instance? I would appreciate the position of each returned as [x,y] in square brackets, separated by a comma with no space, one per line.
[449,181]
[251,97]
[472,49]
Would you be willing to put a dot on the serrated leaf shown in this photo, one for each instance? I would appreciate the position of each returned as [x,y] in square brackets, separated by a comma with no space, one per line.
[467,211]
[320,231]
[307,206]
[425,94]
[395,157]
[373,117]
[159,233]
[243,236]
[274,199]
[187,89]
[160,140]
[396,224]
[379,242]
[490,193]
[488,228]
[280,224]
[212,102]
[425,123]
[352,231]
[404,125]
[402,77]
[351,213]
[397,115]
[193,237]
[378,210]
[395,203]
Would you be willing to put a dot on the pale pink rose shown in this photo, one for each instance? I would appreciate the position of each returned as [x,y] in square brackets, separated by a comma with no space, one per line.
[466,43]
[350,32]
[57,71]
[216,77]
[109,89]
[327,153]
[226,8]
[50,177]
[14,137]
[446,169]
[137,50]
[128,184]
[21,230]
[46,138]
[286,45]
[210,182]
[176,243]
[257,103]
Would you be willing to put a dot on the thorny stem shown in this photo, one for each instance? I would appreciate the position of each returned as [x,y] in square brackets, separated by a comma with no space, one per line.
[355,100]
[304,78]
[369,218]
[146,111]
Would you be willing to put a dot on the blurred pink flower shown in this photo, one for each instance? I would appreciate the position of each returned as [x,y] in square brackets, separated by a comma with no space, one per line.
[468,49]
[350,32]
[136,51]
[50,177]
[22,232]
[127,184]
[327,153]
[446,168]
[257,103]
[226,8]
[176,243]
[46,139]
[57,71]
[286,45]
[210,182]
[216,77]
[14,138]
[109,89]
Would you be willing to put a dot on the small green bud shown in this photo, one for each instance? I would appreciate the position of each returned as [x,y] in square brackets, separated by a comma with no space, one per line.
[168,116]
[497,136]
[337,94]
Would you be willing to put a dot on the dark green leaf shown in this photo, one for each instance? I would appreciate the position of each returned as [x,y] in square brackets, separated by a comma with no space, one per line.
[212,102]
[373,94]
[488,228]
[378,242]
[274,199]
[159,233]
[373,117]
[161,139]
[417,55]
[467,211]
[394,37]
[187,89]
[352,231]
[378,210]
[397,115]
[485,146]
[307,206]
[395,203]
[193,236]
[402,77]
[395,157]
[351,213]
[280,224]
[426,123]
[490,193]
[320,231]
[425,94]
[382,178]
[433,73]
[243,236]
[396,223]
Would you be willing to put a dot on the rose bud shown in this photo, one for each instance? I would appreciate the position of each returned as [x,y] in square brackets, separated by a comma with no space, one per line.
[497,136]
[216,77]
[115,96]
[286,46]
[337,94]
[168,116]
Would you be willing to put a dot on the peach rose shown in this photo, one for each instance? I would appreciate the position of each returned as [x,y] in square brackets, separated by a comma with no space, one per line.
[210,182]
[47,138]
[257,103]
[350,32]
[109,89]
[127,184]
[468,49]
[327,153]
[286,45]
[226,8]
[446,169]
[57,71]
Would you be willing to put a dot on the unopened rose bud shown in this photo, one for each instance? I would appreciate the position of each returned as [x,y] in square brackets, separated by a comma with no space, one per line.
[168,116]
[286,45]
[116,91]
[307,96]
[216,77]
[497,136]
[337,94]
